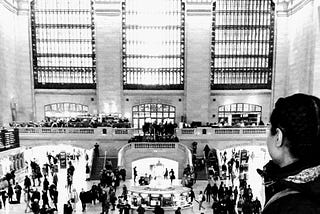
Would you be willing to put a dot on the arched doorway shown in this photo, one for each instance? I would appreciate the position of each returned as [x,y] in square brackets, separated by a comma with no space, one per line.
[237,113]
[151,112]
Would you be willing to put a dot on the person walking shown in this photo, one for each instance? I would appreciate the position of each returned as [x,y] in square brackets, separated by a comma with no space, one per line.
[4,196]
[27,183]
[74,198]
[208,192]
[201,199]
[27,200]
[293,143]
[83,199]
[54,197]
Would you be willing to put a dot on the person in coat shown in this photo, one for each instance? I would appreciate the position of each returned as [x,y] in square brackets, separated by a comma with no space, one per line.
[18,191]
[83,199]
[10,193]
[292,177]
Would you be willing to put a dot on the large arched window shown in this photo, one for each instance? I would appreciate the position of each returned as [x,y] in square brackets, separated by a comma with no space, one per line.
[65,110]
[242,44]
[63,43]
[151,112]
[153,44]
[237,113]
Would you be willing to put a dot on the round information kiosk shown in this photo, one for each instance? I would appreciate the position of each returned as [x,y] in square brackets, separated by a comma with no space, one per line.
[169,198]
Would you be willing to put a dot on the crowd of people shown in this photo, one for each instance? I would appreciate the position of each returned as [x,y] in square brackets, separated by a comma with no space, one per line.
[85,121]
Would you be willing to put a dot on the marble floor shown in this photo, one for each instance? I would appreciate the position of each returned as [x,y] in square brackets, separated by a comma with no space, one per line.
[79,183]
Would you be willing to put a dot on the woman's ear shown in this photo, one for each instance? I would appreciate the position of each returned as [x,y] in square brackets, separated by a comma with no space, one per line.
[279,137]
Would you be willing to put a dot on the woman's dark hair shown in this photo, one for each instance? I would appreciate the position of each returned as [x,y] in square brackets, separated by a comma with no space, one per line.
[298,118]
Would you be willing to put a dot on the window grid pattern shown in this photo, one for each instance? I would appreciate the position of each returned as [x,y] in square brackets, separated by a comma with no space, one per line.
[242,44]
[153,38]
[62,110]
[63,43]
[151,112]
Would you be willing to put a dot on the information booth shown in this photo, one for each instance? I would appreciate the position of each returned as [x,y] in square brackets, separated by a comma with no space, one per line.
[169,198]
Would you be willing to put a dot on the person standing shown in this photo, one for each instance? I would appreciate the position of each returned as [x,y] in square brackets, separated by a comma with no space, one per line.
[166,173]
[192,195]
[55,179]
[45,183]
[256,206]
[18,191]
[35,195]
[68,208]
[158,209]
[141,210]
[135,173]
[172,176]
[178,211]
[126,207]
[27,183]
[10,193]
[105,202]
[293,143]
[45,199]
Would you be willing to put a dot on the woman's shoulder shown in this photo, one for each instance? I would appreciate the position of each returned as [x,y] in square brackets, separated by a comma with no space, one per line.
[294,204]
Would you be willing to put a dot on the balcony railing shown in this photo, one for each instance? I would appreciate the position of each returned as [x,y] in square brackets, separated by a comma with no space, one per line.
[127,133]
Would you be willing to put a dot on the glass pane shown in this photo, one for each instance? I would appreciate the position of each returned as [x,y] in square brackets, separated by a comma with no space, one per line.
[135,108]
[245,107]
[172,115]
[141,108]
[147,114]
[147,107]
[141,114]
[153,107]
[172,109]
[159,107]
[227,108]
[63,36]
[165,114]
[47,108]
[153,114]
[135,123]
[154,43]
[234,107]
[165,108]
[239,107]
[135,114]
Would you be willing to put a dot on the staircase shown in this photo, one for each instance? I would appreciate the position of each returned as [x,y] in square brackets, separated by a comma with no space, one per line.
[97,166]
[201,171]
